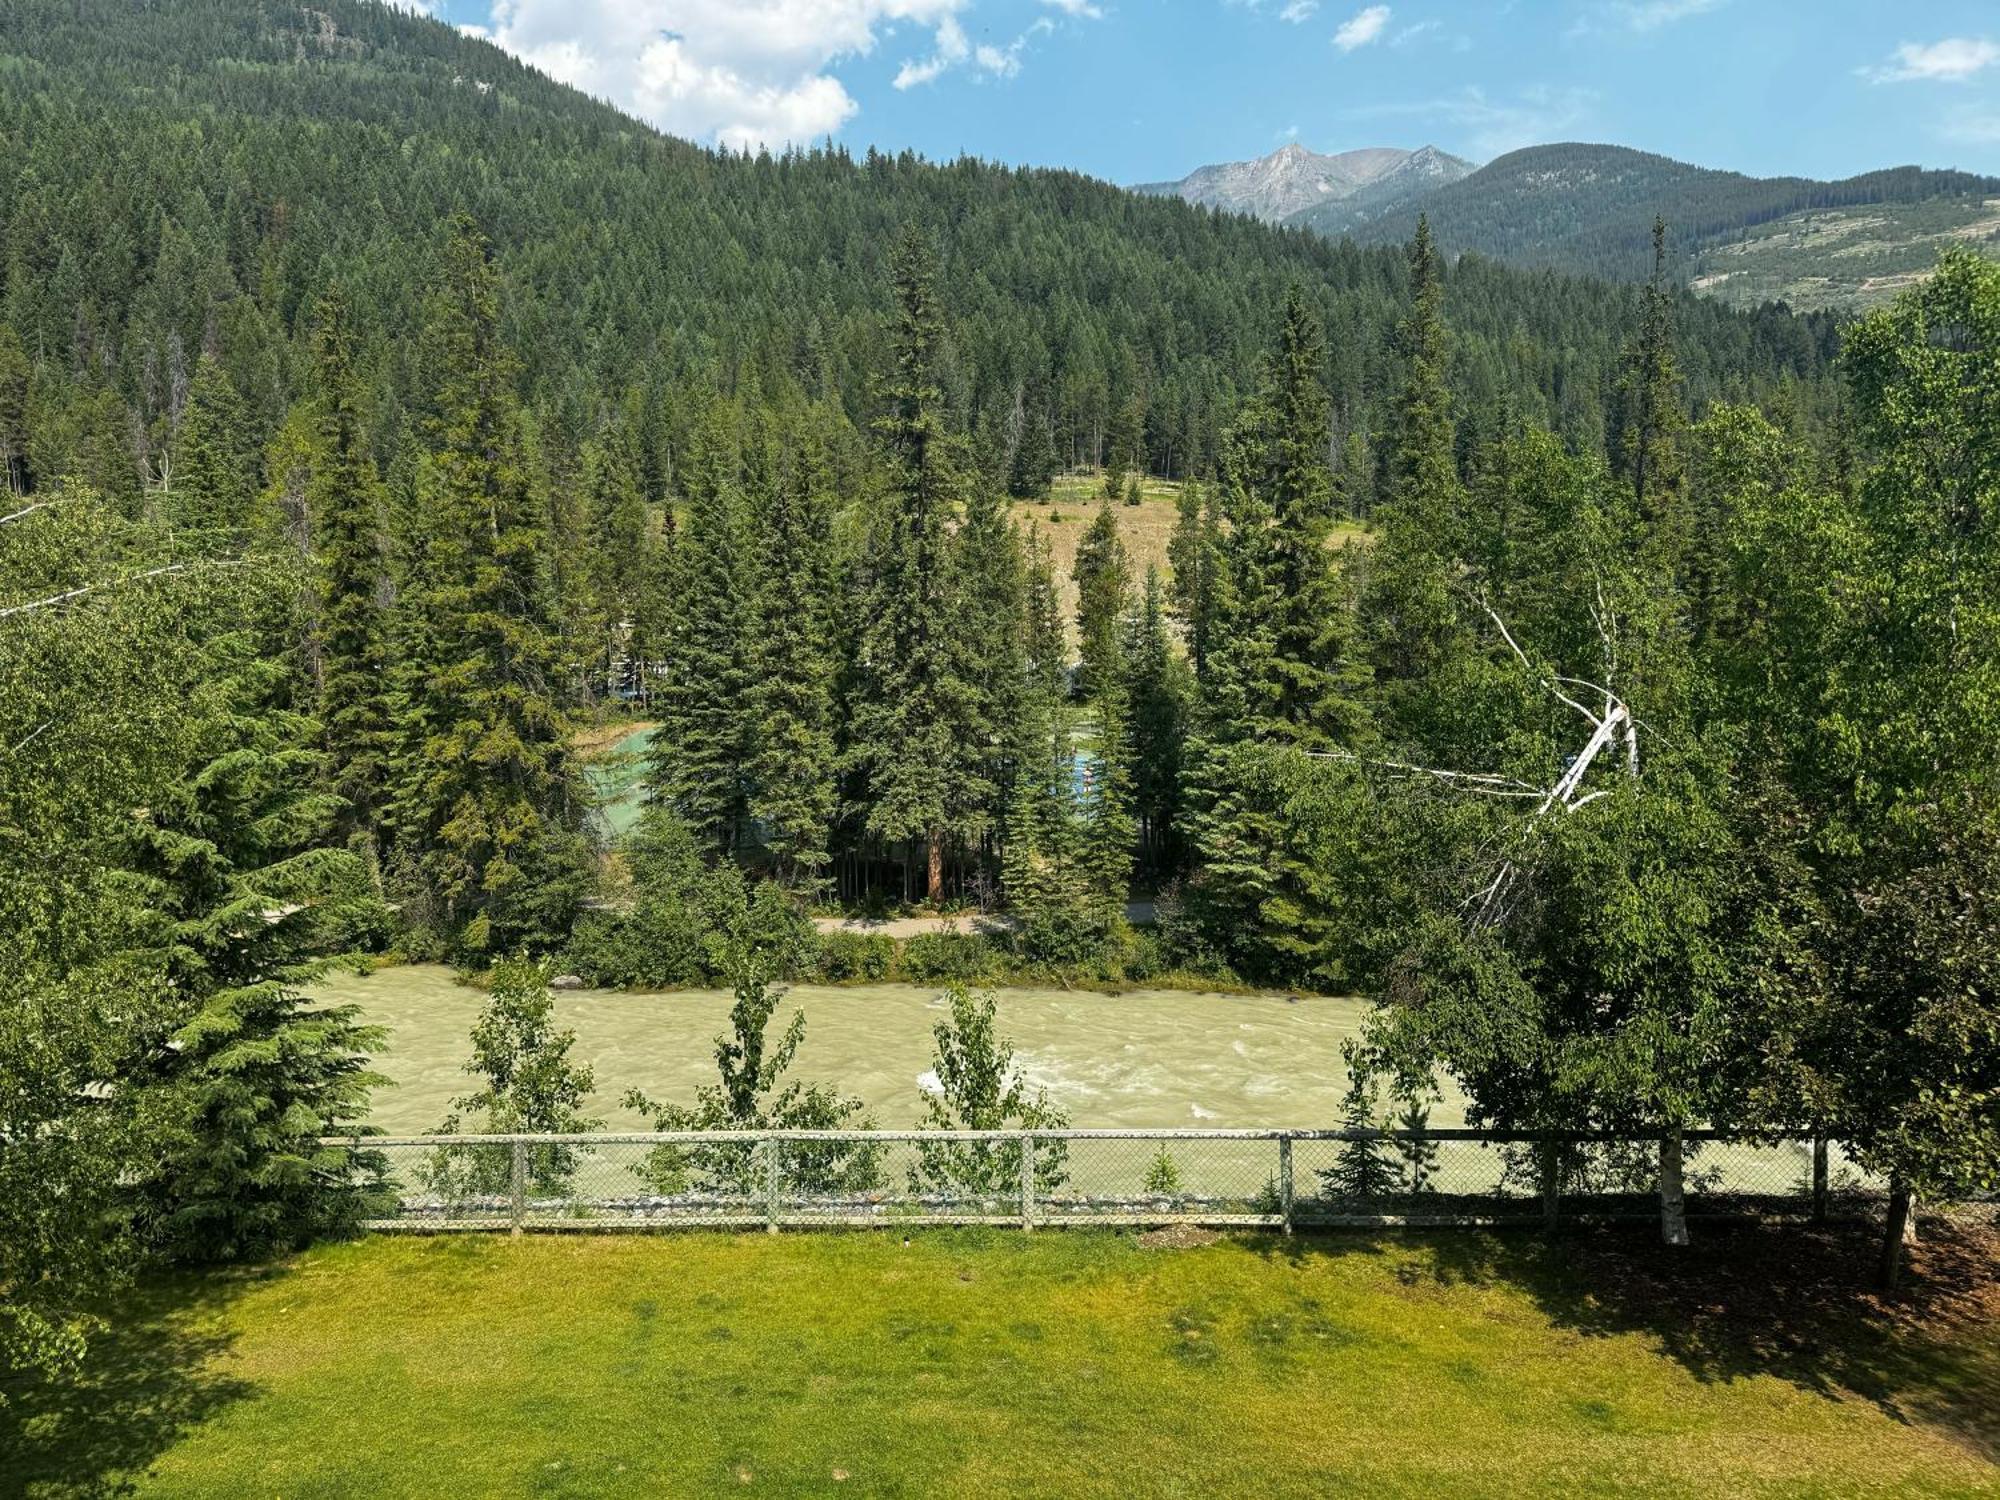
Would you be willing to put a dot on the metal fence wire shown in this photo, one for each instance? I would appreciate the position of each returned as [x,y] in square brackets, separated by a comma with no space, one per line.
[1269,1178]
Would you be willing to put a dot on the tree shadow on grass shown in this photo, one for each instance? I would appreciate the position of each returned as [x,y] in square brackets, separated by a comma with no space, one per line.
[149,1379]
[1744,1300]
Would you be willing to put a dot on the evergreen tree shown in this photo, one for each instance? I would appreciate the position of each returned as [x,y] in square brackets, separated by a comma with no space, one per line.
[699,759]
[16,476]
[1413,566]
[244,900]
[1103,593]
[620,551]
[913,726]
[486,806]
[1361,1174]
[1649,416]
[1157,689]
[344,509]
[793,765]
[989,567]
[1194,558]
[1034,466]
[214,474]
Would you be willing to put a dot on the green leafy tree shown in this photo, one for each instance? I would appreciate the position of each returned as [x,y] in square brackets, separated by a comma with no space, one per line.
[752,1093]
[980,1088]
[528,1086]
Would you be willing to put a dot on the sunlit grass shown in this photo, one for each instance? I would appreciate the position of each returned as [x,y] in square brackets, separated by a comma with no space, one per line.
[954,1364]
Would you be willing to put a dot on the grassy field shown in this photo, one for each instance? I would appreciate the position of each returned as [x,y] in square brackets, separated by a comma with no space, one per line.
[1146,529]
[1078,1364]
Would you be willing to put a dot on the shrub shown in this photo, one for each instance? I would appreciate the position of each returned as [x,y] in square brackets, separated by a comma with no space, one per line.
[851,957]
[948,958]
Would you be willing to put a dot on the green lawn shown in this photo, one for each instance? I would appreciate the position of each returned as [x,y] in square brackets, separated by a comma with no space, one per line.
[1059,1364]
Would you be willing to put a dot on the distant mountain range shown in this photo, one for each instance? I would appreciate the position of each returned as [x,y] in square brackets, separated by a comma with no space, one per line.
[1292,182]
[1590,209]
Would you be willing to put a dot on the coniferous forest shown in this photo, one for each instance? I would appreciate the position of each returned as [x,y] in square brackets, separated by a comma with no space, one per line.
[1603,679]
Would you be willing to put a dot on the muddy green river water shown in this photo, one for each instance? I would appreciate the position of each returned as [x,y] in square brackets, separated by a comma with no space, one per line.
[1150,1058]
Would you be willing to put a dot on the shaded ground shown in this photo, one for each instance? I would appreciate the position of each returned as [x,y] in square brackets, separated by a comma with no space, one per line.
[1054,1364]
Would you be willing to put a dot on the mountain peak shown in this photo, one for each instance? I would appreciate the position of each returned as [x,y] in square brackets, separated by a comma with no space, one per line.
[1294,178]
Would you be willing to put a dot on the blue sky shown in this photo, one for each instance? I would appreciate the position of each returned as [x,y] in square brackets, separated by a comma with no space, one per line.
[1136,90]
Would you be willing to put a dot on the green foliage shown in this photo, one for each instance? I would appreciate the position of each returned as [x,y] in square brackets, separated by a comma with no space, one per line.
[947,957]
[980,1088]
[1363,1172]
[529,1086]
[691,921]
[486,805]
[751,1094]
[856,957]
[1163,1177]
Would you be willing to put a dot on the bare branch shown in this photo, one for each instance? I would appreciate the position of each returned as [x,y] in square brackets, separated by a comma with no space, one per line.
[105,583]
[1546,680]
[29,510]
[36,733]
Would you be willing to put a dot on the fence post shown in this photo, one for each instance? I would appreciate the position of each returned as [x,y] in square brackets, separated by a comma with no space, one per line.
[1551,1184]
[1819,1189]
[770,1184]
[1285,1180]
[1027,1180]
[519,1176]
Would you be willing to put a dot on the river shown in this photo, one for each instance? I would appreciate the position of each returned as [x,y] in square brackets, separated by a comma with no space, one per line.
[1167,1058]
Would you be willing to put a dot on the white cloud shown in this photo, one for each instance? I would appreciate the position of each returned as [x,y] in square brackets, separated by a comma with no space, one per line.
[1363,27]
[1082,10]
[952,48]
[743,73]
[1952,60]
[1298,11]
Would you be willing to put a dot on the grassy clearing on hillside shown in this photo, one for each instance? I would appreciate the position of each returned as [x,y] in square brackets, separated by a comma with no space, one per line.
[1073,1364]
[1146,529]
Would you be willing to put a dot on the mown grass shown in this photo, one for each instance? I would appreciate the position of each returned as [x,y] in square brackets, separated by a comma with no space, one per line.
[1061,1364]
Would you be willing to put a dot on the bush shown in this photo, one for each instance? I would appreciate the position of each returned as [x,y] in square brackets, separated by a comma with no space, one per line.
[948,957]
[856,957]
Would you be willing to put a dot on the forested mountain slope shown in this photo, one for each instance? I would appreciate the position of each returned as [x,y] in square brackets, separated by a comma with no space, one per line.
[1590,209]
[187,177]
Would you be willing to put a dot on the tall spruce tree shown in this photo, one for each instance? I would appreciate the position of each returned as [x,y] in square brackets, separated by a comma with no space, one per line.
[1410,601]
[344,511]
[699,762]
[487,801]
[793,761]
[1103,576]
[913,729]
[1649,416]
[214,472]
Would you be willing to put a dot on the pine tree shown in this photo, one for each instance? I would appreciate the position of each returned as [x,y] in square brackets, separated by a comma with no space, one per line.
[699,761]
[1157,688]
[1410,602]
[1034,465]
[1194,555]
[1103,588]
[244,898]
[16,477]
[621,549]
[344,511]
[793,763]
[214,474]
[486,805]
[913,719]
[1361,1173]
[1111,836]
[992,649]
[1649,416]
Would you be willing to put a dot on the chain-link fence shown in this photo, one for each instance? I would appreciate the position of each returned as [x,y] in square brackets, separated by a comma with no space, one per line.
[1275,1178]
